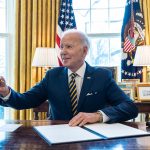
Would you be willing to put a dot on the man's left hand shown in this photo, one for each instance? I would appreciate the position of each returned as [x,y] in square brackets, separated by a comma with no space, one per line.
[83,118]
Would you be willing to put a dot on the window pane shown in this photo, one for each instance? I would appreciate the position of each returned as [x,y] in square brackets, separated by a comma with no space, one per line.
[118,11]
[82,18]
[1,112]
[100,15]
[115,27]
[115,51]
[99,52]
[117,3]
[2,16]
[81,4]
[99,3]
[2,56]
[6,15]
[99,22]
[2,66]
[105,51]
[97,27]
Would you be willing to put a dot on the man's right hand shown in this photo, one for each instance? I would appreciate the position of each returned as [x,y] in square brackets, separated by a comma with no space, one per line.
[4,90]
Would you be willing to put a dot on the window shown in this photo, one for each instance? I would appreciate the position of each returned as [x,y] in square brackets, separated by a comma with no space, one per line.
[2,45]
[102,21]
[6,46]
[2,36]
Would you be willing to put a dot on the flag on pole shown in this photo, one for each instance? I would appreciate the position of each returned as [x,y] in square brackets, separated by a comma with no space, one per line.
[66,20]
[132,35]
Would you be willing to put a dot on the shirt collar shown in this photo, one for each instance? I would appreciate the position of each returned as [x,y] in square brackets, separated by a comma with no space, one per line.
[80,71]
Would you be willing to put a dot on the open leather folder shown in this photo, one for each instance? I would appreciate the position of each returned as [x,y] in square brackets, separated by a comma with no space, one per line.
[55,134]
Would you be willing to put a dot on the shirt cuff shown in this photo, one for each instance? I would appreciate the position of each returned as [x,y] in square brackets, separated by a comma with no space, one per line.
[105,117]
[6,97]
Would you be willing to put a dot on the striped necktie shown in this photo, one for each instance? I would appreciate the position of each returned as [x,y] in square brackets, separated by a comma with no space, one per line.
[73,93]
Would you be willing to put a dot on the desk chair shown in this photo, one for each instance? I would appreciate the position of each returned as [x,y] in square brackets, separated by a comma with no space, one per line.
[42,110]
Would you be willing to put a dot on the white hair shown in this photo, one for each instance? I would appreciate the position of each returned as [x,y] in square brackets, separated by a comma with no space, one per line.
[84,37]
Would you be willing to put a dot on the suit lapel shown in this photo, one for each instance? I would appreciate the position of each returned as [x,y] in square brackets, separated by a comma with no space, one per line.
[88,78]
[65,89]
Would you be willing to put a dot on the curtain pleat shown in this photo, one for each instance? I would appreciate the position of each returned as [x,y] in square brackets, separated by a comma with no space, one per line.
[146,11]
[145,5]
[36,22]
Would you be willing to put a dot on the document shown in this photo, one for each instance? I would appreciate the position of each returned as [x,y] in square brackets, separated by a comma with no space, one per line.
[115,130]
[55,134]
[9,127]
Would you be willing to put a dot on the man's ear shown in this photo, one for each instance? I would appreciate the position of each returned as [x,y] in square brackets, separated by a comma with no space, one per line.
[85,50]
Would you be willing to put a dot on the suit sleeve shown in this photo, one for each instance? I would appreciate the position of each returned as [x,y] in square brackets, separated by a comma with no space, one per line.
[121,107]
[30,99]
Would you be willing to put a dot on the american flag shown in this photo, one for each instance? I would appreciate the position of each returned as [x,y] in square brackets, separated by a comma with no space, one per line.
[132,35]
[129,43]
[66,20]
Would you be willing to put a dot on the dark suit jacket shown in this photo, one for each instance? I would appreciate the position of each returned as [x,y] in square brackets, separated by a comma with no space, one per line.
[99,92]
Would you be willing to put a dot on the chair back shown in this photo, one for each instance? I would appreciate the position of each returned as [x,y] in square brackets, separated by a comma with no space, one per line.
[41,112]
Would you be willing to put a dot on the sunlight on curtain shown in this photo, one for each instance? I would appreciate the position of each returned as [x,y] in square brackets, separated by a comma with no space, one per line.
[36,22]
[145,5]
[146,11]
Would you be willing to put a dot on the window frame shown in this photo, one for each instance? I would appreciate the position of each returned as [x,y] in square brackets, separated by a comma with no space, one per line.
[9,36]
[87,27]
[104,35]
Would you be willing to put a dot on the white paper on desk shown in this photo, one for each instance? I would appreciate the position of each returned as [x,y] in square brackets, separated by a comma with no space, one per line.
[115,130]
[9,127]
[64,133]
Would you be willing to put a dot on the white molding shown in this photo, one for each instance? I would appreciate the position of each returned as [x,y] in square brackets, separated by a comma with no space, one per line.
[11,37]
[95,35]
[4,34]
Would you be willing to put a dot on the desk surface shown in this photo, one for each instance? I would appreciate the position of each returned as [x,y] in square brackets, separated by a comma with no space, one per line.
[25,138]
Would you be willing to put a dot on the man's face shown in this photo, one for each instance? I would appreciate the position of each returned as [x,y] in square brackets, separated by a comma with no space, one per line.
[73,51]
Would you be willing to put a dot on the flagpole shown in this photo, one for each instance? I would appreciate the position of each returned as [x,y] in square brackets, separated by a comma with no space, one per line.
[132,20]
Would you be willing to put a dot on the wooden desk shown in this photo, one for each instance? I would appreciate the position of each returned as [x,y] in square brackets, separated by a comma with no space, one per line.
[26,138]
[144,107]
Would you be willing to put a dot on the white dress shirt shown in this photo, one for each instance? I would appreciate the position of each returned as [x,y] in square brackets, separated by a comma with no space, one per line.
[79,81]
[79,78]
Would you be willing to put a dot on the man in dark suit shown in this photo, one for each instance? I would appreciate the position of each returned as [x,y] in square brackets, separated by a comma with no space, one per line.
[98,97]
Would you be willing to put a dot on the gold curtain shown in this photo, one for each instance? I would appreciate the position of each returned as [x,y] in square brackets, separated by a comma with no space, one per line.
[146,11]
[145,5]
[36,22]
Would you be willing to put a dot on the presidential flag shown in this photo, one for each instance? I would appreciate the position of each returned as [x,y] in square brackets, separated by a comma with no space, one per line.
[66,20]
[132,35]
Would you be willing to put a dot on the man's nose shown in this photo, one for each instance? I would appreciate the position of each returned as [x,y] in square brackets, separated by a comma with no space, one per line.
[63,50]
